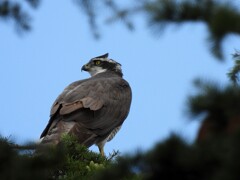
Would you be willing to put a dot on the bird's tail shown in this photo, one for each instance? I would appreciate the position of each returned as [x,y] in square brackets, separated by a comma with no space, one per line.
[61,128]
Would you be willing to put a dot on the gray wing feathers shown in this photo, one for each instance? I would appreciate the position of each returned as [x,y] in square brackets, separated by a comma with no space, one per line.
[91,109]
[61,97]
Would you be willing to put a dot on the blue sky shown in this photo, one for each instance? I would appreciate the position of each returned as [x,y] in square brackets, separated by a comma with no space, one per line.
[35,68]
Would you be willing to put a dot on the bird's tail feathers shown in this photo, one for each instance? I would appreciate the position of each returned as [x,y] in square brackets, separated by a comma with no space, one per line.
[61,128]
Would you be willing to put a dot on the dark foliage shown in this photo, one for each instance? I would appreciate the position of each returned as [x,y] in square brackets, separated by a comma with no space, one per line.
[23,164]
[175,159]
[221,18]
[214,99]
[216,158]
[67,161]
[90,8]
[233,74]
[80,163]
[11,10]
[220,107]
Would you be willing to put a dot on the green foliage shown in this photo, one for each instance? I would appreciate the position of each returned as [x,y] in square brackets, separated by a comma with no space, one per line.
[173,158]
[221,18]
[176,159]
[218,108]
[233,74]
[23,164]
[80,163]
[69,160]
[213,99]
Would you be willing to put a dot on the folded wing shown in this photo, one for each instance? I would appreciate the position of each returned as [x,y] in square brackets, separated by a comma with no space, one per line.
[90,109]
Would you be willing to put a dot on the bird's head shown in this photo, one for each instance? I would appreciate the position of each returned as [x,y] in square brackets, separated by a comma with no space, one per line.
[102,64]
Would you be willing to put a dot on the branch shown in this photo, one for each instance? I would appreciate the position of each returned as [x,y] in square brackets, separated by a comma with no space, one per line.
[233,74]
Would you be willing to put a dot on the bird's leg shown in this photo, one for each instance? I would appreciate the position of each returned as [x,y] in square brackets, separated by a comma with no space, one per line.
[101,150]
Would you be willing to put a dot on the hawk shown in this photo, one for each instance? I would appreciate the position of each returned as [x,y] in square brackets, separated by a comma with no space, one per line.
[92,109]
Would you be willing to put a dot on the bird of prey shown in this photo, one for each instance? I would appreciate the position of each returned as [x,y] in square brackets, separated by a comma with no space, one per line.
[92,109]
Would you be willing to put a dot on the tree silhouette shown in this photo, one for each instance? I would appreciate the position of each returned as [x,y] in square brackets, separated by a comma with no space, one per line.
[233,73]
[221,17]
[11,10]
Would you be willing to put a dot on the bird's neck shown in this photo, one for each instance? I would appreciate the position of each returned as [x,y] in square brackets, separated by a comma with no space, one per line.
[94,73]
[107,73]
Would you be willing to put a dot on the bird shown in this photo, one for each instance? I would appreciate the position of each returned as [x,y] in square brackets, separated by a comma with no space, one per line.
[92,109]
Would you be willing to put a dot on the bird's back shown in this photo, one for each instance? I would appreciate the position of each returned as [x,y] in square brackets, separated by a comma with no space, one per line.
[90,109]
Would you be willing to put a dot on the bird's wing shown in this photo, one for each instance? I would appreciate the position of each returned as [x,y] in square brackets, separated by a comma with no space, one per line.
[56,105]
[90,108]
[62,96]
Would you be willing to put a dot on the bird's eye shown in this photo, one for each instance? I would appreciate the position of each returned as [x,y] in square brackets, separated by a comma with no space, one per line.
[97,62]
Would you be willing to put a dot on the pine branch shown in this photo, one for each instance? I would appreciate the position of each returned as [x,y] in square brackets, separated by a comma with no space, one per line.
[233,74]
[23,147]
[221,18]
[11,10]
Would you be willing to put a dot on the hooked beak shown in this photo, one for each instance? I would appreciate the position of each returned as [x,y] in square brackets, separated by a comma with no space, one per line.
[85,67]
